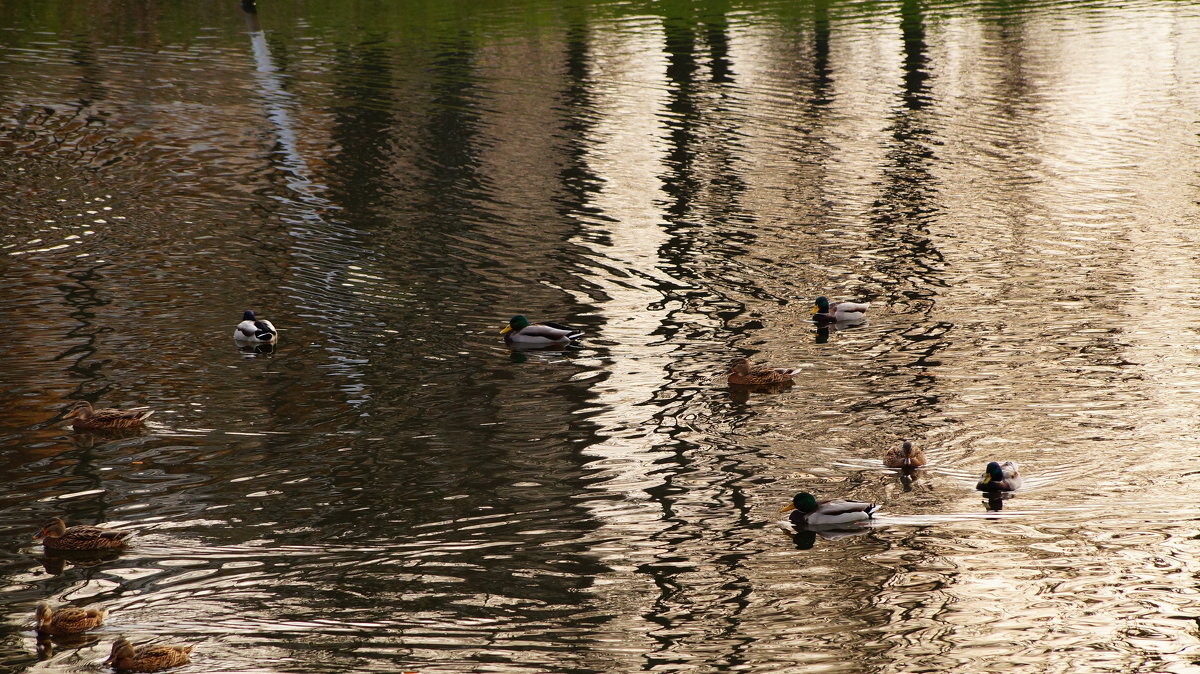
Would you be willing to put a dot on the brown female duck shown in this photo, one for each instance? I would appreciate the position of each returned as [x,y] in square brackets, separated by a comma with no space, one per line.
[742,374]
[126,658]
[56,535]
[87,418]
[906,456]
[67,619]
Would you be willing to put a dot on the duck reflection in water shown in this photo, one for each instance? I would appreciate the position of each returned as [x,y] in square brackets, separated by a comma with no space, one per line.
[914,478]
[994,501]
[741,393]
[539,355]
[264,348]
[805,539]
[55,562]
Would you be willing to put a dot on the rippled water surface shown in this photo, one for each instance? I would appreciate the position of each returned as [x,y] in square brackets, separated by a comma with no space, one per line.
[1015,188]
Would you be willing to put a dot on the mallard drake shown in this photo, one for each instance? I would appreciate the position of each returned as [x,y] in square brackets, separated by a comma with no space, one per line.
[520,332]
[824,312]
[255,331]
[67,619]
[741,374]
[56,535]
[1000,477]
[906,456]
[84,417]
[125,657]
[808,512]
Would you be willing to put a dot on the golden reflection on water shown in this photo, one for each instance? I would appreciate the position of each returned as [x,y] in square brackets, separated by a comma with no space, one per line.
[1013,189]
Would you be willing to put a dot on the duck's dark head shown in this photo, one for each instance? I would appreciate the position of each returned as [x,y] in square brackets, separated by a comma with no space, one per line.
[906,448]
[248,316]
[517,323]
[804,502]
[992,473]
[822,305]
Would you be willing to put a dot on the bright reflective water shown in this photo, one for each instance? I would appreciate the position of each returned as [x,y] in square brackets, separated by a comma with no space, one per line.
[1012,187]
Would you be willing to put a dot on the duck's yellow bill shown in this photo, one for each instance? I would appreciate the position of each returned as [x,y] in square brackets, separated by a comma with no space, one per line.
[987,477]
[816,309]
[790,506]
[507,329]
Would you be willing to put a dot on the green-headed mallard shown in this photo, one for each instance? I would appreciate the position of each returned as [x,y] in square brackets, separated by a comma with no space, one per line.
[1000,477]
[905,456]
[84,417]
[808,512]
[838,312]
[520,332]
[66,619]
[255,331]
[742,374]
[126,658]
[56,535]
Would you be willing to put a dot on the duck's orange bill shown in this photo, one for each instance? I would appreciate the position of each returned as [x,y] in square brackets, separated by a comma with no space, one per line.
[507,329]
[790,506]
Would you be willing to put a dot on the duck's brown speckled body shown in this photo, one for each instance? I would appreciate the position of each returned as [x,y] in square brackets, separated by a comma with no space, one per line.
[742,374]
[126,658]
[905,456]
[56,535]
[84,417]
[67,619]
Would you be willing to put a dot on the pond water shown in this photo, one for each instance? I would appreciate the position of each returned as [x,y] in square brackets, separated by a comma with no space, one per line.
[1014,187]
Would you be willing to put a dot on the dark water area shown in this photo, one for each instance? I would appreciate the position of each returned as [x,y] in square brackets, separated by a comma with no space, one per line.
[1012,186]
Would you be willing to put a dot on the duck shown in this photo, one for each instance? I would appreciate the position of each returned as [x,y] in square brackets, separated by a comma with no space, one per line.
[66,619]
[1000,477]
[520,332]
[742,374]
[254,330]
[808,512]
[906,456]
[126,658]
[838,312]
[84,417]
[56,535]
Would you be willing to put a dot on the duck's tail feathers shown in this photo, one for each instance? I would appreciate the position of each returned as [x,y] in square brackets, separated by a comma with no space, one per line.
[572,333]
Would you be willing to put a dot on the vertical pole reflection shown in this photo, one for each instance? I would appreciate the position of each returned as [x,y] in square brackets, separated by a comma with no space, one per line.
[319,265]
